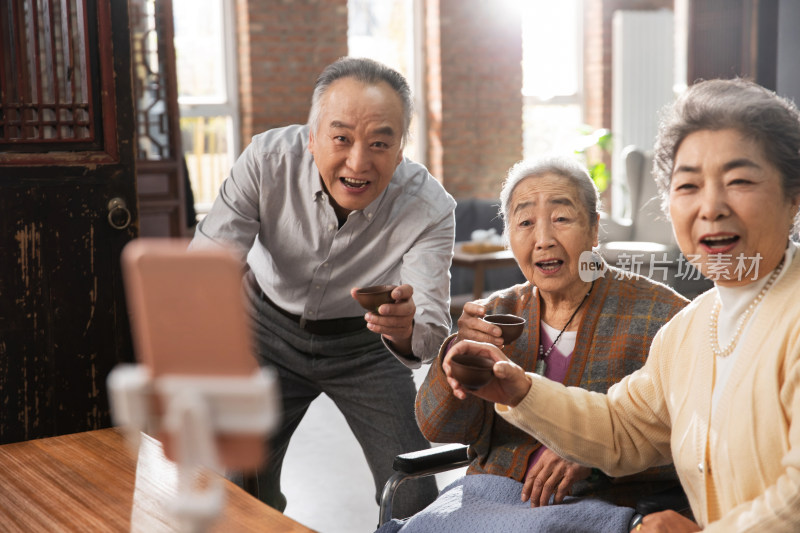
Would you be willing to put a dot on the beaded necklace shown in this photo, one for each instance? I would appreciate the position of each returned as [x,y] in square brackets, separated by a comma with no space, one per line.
[541,363]
[743,319]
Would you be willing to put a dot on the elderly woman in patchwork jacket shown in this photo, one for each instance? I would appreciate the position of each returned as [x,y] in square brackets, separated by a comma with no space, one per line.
[588,325]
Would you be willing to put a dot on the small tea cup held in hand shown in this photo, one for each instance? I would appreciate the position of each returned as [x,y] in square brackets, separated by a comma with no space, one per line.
[472,371]
[511,325]
[371,298]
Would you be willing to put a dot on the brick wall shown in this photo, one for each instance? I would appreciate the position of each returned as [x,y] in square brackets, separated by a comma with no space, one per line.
[473,54]
[433,88]
[283,45]
[474,69]
[598,17]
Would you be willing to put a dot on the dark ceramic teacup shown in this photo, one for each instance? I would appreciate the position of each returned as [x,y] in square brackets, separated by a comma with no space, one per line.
[511,325]
[472,371]
[371,298]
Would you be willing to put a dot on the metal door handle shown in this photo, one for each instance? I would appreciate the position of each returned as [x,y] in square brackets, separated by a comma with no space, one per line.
[118,215]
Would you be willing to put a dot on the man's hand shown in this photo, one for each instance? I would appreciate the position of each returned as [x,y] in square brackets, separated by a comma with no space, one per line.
[395,321]
[509,385]
[551,475]
[471,326]
[666,522]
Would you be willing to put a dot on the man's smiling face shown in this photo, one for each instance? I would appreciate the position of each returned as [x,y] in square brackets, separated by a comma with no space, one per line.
[358,144]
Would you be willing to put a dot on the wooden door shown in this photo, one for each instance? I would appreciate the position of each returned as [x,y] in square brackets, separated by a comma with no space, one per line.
[67,207]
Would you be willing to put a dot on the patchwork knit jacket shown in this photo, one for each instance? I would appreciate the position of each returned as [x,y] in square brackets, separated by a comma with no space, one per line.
[623,313]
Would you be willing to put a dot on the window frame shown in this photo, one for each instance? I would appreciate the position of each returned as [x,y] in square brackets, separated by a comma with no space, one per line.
[578,97]
[193,107]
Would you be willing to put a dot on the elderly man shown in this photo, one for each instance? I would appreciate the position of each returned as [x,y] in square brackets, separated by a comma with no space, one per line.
[316,211]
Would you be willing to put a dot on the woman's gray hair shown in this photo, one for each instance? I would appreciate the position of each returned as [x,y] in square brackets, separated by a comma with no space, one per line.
[366,71]
[568,168]
[757,113]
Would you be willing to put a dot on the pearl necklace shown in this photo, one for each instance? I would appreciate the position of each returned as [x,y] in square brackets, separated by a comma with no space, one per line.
[713,334]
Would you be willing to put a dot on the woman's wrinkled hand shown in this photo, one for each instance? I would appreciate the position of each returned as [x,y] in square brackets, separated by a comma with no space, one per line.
[510,383]
[551,475]
[471,326]
[666,522]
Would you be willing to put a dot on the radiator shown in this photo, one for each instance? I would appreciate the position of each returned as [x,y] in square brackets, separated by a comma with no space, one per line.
[642,84]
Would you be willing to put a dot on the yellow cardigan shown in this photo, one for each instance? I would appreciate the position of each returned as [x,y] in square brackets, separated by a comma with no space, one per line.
[742,473]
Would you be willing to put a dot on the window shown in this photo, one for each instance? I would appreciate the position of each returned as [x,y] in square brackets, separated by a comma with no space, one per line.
[384,30]
[206,93]
[551,76]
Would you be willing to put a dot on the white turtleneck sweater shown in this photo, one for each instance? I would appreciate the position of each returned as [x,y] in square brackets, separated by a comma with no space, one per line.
[735,301]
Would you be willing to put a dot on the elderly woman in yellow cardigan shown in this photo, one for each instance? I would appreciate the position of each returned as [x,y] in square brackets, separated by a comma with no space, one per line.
[719,394]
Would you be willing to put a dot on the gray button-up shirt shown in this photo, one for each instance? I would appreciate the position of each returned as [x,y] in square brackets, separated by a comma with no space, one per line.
[274,211]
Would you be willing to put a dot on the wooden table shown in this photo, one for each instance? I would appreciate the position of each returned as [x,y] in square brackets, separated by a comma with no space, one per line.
[90,482]
[480,263]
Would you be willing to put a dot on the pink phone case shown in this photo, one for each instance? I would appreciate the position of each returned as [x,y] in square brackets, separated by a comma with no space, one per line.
[188,318]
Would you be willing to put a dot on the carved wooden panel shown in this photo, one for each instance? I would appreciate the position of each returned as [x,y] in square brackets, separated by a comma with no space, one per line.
[54,93]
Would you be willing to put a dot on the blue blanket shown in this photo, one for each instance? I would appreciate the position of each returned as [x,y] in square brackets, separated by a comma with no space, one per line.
[484,503]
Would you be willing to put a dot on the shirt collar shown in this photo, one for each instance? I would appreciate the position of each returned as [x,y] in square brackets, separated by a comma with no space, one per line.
[372,209]
[316,186]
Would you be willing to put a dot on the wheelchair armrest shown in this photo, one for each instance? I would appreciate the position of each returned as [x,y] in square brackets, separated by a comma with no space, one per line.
[445,457]
[418,464]
[673,498]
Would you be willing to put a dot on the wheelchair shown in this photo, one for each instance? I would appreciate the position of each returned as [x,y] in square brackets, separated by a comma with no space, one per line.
[451,456]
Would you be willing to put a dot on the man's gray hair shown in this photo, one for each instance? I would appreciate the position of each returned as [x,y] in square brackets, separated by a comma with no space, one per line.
[366,71]
[568,168]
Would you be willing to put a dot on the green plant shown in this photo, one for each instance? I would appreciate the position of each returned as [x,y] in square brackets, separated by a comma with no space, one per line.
[596,150]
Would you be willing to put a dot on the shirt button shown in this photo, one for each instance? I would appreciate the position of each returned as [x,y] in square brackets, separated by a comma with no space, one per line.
[369,215]
[316,286]
[700,467]
[325,264]
[311,313]
[332,227]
